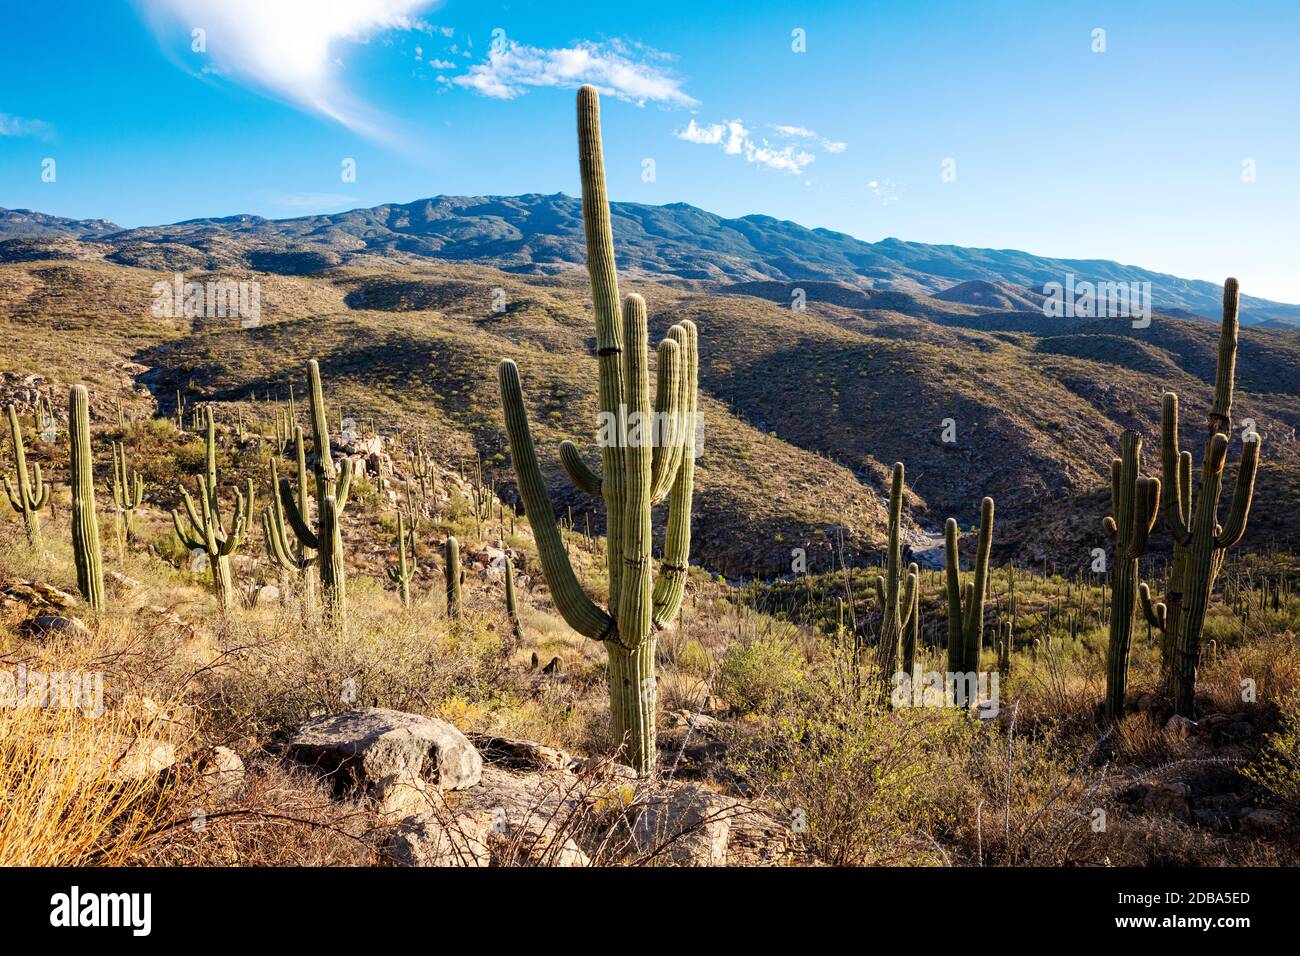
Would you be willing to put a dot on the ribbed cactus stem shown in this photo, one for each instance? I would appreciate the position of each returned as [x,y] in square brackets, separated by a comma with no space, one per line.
[30,495]
[451,568]
[634,472]
[85,529]
[1135,501]
[401,575]
[512,603]
[206,530]
[332,483]
[128,491]
[1226,368]
[896,594]
[966,605]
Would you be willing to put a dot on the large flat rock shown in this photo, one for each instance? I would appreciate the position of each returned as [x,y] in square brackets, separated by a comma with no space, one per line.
[365,746]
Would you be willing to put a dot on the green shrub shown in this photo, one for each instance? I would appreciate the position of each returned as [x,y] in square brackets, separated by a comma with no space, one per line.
[759,671]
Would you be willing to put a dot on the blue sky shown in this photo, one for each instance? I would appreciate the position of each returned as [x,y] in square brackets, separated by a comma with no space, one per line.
[1177,148]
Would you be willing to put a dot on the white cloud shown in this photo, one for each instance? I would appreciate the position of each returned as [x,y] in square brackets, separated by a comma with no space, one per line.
[284,46]
[512,68]
[11,125]
[735,139]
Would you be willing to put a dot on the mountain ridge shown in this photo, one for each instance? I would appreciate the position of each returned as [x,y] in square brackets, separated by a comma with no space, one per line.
[534,233]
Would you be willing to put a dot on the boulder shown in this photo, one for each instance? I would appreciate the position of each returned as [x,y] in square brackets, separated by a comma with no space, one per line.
[1180,726]
[1169,799]
[53,625]
[1263,822]
[687,826]
[365,746]
[421,840]
[221,774]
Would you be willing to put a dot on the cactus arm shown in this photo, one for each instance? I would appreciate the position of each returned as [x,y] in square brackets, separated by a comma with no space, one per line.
[670,586]
[952,567]
[1226,368]
[295,517]
[578,610]
[85,527]
[1116,466]
[1154,613]
[319,423]
[186,538]
[583,478]
[1242,495]
[880,592]
[669,407]
[15,502]
[909,596]
[975,635]
[1147,507]
[1178,487]
[344,485]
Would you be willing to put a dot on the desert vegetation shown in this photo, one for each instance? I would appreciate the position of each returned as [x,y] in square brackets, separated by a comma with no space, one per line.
[425,660]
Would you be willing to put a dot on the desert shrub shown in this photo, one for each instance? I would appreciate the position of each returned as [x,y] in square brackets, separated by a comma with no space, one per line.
[1277,768]
[759,670]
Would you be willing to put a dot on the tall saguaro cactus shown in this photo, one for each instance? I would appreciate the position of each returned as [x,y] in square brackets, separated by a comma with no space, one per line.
[638,468]
[208,531]
[966,605]
[86,554]
[897,595]
[401,575]
[1135,501]
[332,484]
[451,571]
[1192,521]
[291,555]
[31,494]
[128,492]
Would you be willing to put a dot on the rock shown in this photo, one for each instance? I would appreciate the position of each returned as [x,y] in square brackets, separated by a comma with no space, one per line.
[1263,822]
[520,754]
[1241,729]
[221,774]
[402,795]
[420,840]
[1180,726]
[53,595]
[365,746]
[535,817]
[53,625]
[1168,799]
[1212,819]
[122,581]
[118,757]
[141,709]
[688,826]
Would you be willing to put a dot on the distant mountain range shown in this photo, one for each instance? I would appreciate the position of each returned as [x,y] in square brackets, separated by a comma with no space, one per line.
[536,234]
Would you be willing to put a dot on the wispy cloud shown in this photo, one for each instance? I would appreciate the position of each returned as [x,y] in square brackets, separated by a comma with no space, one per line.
[284,47]
[511,68]
[736,140]
[20,126]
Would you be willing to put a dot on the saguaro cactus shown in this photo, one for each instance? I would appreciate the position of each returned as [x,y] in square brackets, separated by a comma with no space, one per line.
[293,556]
[401,575]
[966,605]
[512,603]
[332,484]
[633,474]
[1205,540]
[897,595]
[85,528]
[1135,501]
[128,492]
[31,495]
[207,530]
[451,569]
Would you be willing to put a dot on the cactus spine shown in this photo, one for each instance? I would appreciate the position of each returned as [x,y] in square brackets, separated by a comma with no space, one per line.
[85,529]
[32,494]
[207,530]
[128,492]
[451,569]
[332,486]
[896,594]
[966,605]
[295,558]
[401,575]
[1135,501]
[632,477]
